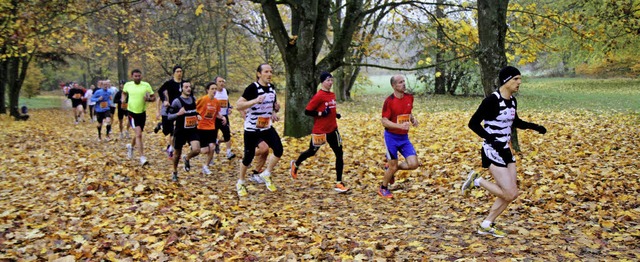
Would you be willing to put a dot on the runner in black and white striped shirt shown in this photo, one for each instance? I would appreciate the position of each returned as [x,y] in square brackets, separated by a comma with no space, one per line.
[498,111]
[259,100]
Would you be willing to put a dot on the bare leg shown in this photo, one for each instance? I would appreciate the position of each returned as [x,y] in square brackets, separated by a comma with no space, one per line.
[506,188]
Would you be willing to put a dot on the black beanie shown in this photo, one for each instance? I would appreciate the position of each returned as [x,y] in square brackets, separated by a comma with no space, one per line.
[324,75]
[507,73]
[176,68]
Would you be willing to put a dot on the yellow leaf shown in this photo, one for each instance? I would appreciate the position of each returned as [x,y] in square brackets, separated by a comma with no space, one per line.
[199,9]
[126,229]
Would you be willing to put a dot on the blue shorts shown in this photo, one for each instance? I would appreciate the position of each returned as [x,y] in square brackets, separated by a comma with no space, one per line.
[398,143]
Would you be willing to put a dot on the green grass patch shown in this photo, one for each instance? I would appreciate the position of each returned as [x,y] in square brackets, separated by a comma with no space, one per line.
[557,94]
[42,101]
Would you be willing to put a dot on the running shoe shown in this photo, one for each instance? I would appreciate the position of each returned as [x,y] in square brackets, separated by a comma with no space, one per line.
[206,171]
[230,155]
[468,184]
[384,192]
[129,151]
[108,138]
[256,179]
[187,165]
[127,134]
[242,190]
[174,176]
[267,181]
[294,170]
[143,161]
[157,128]
[340,188]
[169,151]
[491,230]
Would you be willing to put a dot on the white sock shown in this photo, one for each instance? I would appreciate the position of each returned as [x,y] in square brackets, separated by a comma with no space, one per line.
[240,182]
[486,224]
[265,173]
[170,148]
[476,182]
[228,151]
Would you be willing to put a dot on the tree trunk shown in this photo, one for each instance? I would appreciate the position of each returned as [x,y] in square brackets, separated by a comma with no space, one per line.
[440,65]
[123,61]
[4,71]
[16,73]
[492,29]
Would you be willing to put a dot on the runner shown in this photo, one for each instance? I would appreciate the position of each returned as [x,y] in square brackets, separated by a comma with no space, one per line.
[322,108]
[137,93]
[259,99]
[223,98]
[76,94]
[87,99]
[499,113]
[183,112]
[209,108]
[262,153]
[112,91]
[168,92]
[122,110]
[102,99]
[397,119]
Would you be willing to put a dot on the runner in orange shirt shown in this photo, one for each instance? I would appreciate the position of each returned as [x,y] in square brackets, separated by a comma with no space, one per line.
[209,109]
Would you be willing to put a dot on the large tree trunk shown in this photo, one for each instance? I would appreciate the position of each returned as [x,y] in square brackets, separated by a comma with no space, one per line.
[122,38]
[17,71]
[492,29]
[309,24]
[4,71]
[440,65]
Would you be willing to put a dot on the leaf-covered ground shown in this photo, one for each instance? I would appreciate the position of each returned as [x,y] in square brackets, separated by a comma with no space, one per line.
[64,196]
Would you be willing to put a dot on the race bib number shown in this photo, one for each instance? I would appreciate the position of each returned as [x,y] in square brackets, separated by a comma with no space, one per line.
[223,103]
[210,111]
[263,122]
[318,139]
[77,96]
[190,121]
[406,118]
[123,105]
[104,104]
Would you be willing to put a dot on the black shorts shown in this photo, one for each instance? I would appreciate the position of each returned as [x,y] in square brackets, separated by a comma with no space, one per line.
[252,138]
[167,125]
[181,137]
[136,120]
[501,157]
[226,132]
[207,137]
[122,113]
[102,115]
[75,103]
[112,110]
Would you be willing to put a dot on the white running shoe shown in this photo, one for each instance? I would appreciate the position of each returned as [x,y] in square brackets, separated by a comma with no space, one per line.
[143,161]
[206,170]
[255,178]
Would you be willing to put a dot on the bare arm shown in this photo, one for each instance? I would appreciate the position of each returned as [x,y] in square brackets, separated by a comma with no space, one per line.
[391,125]
[243,104]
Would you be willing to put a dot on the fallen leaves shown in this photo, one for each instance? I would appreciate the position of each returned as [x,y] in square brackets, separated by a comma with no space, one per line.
[66,197]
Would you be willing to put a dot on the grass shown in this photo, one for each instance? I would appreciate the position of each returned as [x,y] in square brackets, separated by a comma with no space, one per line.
[558,94]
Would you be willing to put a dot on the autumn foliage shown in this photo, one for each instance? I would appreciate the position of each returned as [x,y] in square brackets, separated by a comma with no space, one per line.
[64,196]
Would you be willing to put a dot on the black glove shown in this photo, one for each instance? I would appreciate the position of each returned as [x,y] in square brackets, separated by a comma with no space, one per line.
[540,129]
[326,111]
[338,116]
